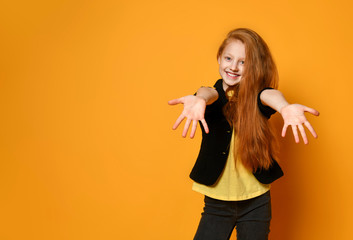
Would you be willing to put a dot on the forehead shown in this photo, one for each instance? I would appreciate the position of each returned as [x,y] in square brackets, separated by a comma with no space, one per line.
[235,48]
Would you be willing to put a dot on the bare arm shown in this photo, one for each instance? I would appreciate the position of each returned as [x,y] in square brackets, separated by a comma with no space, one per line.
[274,99]
[194,109]
[208,94]
[292,114]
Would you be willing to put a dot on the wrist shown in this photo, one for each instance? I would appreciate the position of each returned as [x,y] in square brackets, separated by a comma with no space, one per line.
[280,109]
[203,98]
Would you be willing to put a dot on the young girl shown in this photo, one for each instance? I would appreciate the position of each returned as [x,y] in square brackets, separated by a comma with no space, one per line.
[236,163]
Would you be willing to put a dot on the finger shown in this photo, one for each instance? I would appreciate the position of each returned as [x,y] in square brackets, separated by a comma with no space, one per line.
[193,128]
[186,127]
[176,101]
[295,133]
[178,121]
[311,129]
[302,132]
[312,111]
[205,126]
[284,130]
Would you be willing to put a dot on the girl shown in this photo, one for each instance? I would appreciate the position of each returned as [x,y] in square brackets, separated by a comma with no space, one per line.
[237,158]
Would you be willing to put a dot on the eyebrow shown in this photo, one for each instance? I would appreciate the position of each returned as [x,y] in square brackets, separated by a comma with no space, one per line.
[228,54]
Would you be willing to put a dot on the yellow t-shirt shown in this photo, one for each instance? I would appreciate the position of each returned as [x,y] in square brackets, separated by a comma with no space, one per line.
[235,183]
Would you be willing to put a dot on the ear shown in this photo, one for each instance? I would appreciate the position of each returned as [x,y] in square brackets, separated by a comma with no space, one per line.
[219,60]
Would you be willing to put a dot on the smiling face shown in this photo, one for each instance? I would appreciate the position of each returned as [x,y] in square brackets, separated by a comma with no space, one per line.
[231,63]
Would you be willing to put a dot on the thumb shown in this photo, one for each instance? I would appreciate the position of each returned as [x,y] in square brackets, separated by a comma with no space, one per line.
[312,111]
[176,101]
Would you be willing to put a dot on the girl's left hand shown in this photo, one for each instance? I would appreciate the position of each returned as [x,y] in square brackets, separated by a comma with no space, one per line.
[293,115]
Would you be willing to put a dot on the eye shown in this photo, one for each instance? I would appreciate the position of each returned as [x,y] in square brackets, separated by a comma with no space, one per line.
[227,58]
[242,62]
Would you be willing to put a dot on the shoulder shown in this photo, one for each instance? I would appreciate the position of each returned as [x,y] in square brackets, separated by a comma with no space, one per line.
[265,110]
[221,94]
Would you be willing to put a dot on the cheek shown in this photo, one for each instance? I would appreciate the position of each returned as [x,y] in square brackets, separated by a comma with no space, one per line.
[220,70]
[222,66]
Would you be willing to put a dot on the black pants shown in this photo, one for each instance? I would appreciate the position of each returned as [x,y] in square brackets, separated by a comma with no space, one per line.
[251,217]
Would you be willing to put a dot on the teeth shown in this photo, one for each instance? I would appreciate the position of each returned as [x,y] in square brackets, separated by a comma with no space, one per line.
[232,75]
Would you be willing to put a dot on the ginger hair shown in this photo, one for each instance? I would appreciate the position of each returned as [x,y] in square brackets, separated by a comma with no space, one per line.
[257,145]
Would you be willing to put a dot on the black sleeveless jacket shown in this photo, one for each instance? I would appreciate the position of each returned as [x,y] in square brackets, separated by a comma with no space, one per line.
[215,145]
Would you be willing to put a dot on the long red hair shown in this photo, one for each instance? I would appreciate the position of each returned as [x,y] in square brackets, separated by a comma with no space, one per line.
[256,142]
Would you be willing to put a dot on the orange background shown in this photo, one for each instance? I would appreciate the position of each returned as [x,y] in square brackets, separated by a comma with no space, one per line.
[87,150]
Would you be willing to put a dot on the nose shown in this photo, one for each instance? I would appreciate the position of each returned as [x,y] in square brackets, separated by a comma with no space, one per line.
[234,66]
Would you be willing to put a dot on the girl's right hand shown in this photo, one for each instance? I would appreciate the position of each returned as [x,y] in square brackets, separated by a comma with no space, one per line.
[194,110]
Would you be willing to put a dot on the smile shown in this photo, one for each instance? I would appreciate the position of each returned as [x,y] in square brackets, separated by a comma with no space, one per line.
[232,75]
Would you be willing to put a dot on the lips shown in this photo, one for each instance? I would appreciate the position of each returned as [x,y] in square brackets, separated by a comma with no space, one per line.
[232,75]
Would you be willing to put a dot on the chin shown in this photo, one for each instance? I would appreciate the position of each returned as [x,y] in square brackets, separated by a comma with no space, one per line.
[232,83]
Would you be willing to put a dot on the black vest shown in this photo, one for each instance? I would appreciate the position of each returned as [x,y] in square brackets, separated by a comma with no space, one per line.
[215,145]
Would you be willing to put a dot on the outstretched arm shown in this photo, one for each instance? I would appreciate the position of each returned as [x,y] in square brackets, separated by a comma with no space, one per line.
[292,114]
[194,109]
